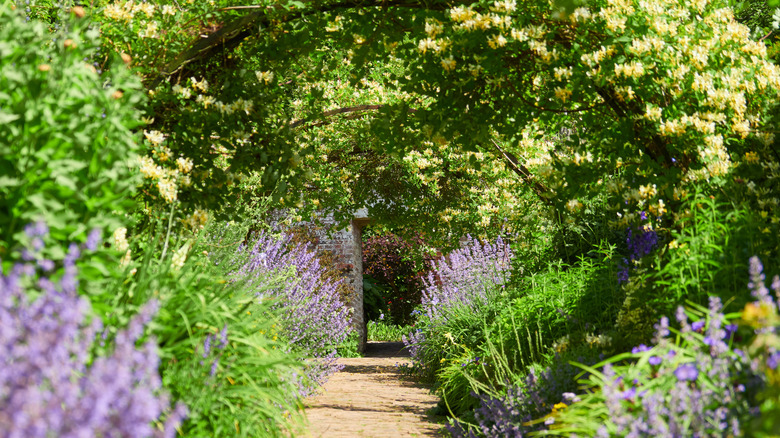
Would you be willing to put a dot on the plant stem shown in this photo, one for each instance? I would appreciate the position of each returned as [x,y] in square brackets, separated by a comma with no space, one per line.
[168,233]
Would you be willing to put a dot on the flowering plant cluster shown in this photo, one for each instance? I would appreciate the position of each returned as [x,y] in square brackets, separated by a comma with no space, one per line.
[712,376]
[51,383]
[466,277]
[464,282]
[314,320]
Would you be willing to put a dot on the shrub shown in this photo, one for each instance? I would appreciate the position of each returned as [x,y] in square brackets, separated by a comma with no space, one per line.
[218,345]
[463,295]
[66,146]
[398,265]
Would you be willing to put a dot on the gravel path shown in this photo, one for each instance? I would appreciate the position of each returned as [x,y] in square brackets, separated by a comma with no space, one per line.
[371,398]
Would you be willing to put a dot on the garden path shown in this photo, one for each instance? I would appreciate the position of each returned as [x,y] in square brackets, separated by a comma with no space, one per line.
[371,397]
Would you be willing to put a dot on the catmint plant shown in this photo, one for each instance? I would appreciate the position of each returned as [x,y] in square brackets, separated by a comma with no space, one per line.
[314,319]
[466,276]
[51,383]
[706,373]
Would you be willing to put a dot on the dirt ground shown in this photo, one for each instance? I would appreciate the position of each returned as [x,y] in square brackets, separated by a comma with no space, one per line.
[370,397]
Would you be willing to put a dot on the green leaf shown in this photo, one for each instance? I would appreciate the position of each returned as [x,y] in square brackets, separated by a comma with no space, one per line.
[7,118]
[7,181]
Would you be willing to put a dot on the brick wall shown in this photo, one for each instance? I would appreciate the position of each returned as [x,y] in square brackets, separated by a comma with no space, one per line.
[347,249]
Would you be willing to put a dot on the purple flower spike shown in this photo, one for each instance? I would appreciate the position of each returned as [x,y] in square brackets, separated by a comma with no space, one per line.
[697,325]
[655,360]
[773,360]
[207,346]
[37,229]
[639,349]
[680,315]
[223,337]
[93,239]
[756,285]
[661,329]
[686,372]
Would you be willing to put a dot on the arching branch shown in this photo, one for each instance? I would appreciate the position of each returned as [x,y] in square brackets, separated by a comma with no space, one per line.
[349,109]
[540,189]
[233,33]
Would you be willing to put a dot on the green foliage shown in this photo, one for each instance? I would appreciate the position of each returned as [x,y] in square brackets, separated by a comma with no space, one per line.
[385,331]
[375,298]
[349,348]
[66,147]
[395,268]
[248,385]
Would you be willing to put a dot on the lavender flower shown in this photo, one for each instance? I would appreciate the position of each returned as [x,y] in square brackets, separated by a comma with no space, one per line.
[315,319]
[661,329]
[466,277]
[50,385]
[93,239]
[223,337]
[757,277]
[207,346]
[686,372]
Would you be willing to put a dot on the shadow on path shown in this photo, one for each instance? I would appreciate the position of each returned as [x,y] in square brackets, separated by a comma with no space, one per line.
[385,349]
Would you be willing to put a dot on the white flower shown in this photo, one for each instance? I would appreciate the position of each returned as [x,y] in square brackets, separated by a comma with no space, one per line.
[184,164]
[120,239]
[201,85]
[265,76]
[126,260]
[149,169]
[167,189]
[448,63]
[150,31]
[179,257]
[155,137]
